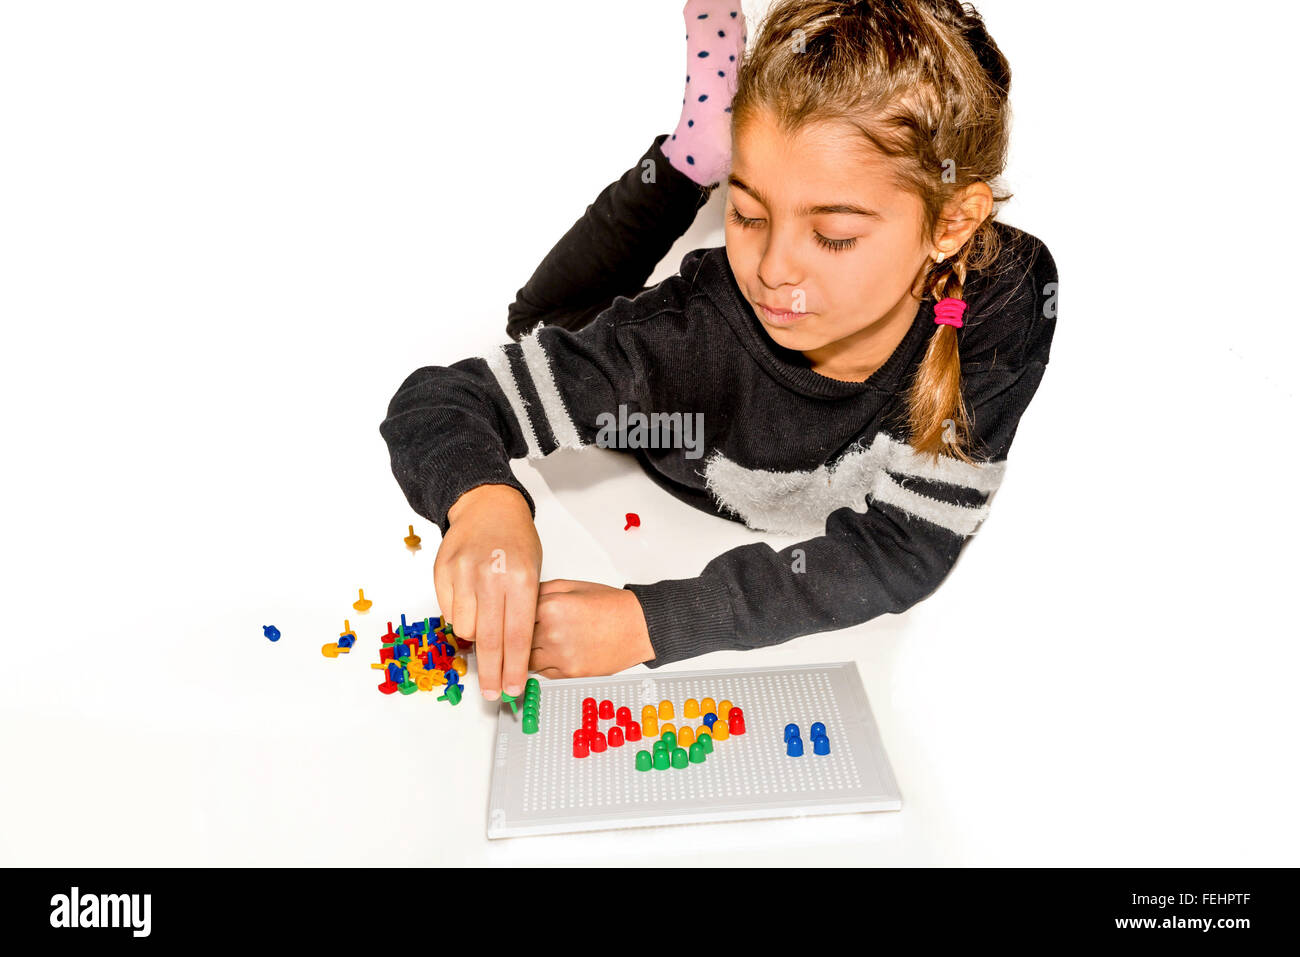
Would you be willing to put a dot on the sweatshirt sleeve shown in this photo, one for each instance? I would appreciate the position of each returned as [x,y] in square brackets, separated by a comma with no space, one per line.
[918,515]
[450,429]
[612,248]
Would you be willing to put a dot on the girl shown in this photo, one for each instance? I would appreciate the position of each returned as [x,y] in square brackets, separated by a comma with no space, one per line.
[861,350]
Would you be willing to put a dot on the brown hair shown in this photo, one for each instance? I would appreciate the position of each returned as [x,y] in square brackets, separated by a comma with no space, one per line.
[926,85]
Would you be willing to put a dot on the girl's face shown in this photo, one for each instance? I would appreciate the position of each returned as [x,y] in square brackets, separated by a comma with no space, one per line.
[825,246]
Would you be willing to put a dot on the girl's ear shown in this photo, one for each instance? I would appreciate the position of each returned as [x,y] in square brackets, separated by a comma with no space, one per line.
[962,216]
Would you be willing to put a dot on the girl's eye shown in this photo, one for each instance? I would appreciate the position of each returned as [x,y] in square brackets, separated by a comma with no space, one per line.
[837,245]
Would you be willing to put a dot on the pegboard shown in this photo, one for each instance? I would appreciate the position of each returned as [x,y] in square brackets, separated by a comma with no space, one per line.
[539,787]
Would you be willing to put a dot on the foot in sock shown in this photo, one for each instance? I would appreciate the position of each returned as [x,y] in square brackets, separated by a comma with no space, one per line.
[716,33]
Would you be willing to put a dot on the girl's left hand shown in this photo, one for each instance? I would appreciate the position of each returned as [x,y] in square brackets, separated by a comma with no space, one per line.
[584,629]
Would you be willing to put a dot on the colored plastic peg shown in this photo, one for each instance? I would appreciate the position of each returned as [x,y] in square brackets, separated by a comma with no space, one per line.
[402,651]
[720,731]
[580,733]
[665,709]
[391,636]
[347,641]
[697,753]
[598,742]
[533,685]
[670,738]
[394,672]
[510,700]
[649,711]
[650,727]
[385,654]
[691,709]
[624,717]
[707,705]
[408,687]
[453,678]
[794,747]
[424,681]
[821,744]
[401,629]
[589,704]
[680,758]
[362,604]
[606,710]
[633,521]
[723,707]
[817,730]
[709,719]
[330,651]
[660,745]
[580,749]
[271,632]
[736,721]
[662,761]
[644,761]
[387,687]
[530,723]
[615,737]
[791,731]
[686,736]
[347,629]
[458,665]
[452,694]
[412,540]
[706,740]
[632,732]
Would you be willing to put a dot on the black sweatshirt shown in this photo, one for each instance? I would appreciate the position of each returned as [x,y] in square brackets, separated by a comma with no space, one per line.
[782,448]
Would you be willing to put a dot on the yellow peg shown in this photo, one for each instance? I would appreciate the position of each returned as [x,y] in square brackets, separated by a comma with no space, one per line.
[412,540]
[666,709]
[685,736]
[691,709]
[708,706]
[362,604]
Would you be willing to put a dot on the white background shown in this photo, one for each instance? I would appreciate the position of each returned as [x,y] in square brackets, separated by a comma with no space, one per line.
[229,230]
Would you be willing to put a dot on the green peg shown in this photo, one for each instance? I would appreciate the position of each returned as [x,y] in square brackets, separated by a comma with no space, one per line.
[644,762]
[670,738]
[530,724]
[680,760]
[452,694]
[510,700]
[661,760]
[697,753]
[705,740]
[661,745]
[533,685]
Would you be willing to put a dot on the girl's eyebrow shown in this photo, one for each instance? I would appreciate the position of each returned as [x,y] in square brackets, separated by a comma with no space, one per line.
[850,208]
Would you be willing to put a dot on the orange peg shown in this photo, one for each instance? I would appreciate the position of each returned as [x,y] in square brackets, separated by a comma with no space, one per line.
[412,540]
[362,604]
[723,707]
[708,706]
[720,732]
[330,651]
[649,711]
[666,709]
[650,727]
[685,736]
[691,709]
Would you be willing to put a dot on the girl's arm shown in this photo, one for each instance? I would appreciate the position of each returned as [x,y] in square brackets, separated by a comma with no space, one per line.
[612,249]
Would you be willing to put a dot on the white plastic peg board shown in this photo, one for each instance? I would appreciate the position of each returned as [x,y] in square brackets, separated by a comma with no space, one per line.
[539,787]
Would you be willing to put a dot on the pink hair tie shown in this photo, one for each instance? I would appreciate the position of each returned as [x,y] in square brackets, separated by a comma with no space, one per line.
[949,311]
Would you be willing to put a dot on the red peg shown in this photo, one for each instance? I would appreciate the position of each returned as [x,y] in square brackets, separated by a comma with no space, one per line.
[385,654]
[589,723]
[624,717]
[580,749]
[607,710]
[633,731]
[597,742]
[616,737]
[736,721]
[588,704]
[392,635]
[388,687]
[633,521]
[580,735]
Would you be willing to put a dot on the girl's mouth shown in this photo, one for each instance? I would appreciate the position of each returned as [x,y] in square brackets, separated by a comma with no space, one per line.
[780,317]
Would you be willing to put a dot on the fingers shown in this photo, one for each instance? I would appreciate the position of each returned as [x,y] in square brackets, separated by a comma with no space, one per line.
[520,614]
[487,633]
[556,585]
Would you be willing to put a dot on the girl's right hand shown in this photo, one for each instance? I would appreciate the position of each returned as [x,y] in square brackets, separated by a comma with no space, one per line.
[486,576]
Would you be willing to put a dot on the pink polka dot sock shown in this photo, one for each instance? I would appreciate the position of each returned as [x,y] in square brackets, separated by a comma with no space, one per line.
[715,41]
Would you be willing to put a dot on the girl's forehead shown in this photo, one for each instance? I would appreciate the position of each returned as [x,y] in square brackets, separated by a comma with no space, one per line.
[817,165]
